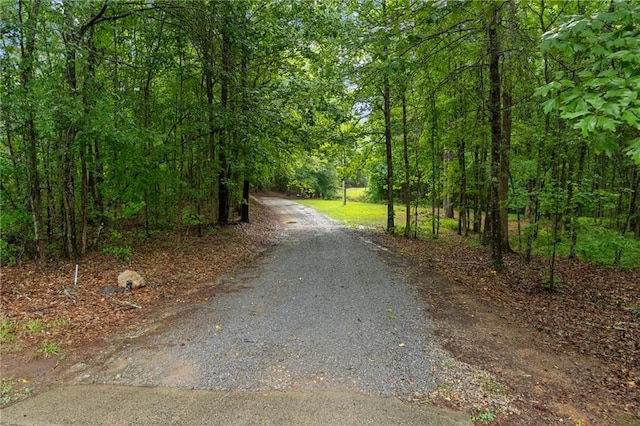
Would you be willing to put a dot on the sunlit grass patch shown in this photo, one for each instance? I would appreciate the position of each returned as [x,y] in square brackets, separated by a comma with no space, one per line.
[354,213]
[356,194]
[375,215]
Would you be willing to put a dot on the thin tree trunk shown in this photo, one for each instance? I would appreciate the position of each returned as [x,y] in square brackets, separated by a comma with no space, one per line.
[477,198]
[68,139]
[386,93]
[407,169]
[636,210]
[344,192]
[212,132]
[27,46]
[447,206]
[435,221]
[496,141]
[223,175]
[573,208]
[244,211]
[85,149]
[507,105]
[463,225]
[503,191]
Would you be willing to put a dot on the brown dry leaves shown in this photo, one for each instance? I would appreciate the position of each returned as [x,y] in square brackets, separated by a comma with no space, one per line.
[178,269]
[594,311]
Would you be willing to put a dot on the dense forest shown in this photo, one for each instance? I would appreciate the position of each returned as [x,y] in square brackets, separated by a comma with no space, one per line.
[156,114]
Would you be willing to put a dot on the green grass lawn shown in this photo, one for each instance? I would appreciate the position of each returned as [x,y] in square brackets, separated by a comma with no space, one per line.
[595,244]
[373,215]
[356,194]
[354,213]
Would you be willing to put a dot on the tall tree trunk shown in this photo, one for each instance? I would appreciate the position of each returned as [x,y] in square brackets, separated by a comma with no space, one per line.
[635,207]
[447,205]
[407,170]
[463,225]
[27,46]
[86,150]
[507,105]
[212,131]
[435,167]
[386,94]
[503,191]
[574,208]
[496,140]
[223,175]
[244,211]
[477,197]
[72,36]
[69,132]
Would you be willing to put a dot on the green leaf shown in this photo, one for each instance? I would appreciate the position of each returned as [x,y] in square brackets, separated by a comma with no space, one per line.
[595,100]
[566,83]
[586,74]
[550,105]
[543,91]
[607,123]
[586,124]
[630,118]
[597,82]
[604,143]
[634,150]
[611,109]
[573,115]
[625,55]
[597,25]
[608,73]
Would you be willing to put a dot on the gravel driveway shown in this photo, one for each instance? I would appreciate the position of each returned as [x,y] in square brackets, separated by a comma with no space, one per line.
[325,309]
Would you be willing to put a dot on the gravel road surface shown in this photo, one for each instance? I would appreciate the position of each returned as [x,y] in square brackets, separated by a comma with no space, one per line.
[325,310]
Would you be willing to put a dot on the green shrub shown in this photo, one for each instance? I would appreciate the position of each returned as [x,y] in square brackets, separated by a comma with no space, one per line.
[598,244]
[121,253]
[8,253]
[15,233]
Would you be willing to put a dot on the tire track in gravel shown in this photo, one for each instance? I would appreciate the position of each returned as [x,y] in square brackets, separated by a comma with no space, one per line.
[323,310]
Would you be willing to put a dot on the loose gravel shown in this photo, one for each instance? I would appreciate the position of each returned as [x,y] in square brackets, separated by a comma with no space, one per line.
[325,309]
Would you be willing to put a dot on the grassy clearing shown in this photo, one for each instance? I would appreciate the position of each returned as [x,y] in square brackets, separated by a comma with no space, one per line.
[375,215]
[354,213]
[356,194]
[596,244]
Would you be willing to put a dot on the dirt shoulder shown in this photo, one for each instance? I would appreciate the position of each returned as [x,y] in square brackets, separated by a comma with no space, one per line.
[569,354]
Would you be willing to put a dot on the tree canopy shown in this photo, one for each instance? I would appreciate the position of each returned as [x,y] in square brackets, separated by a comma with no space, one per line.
[164,114]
